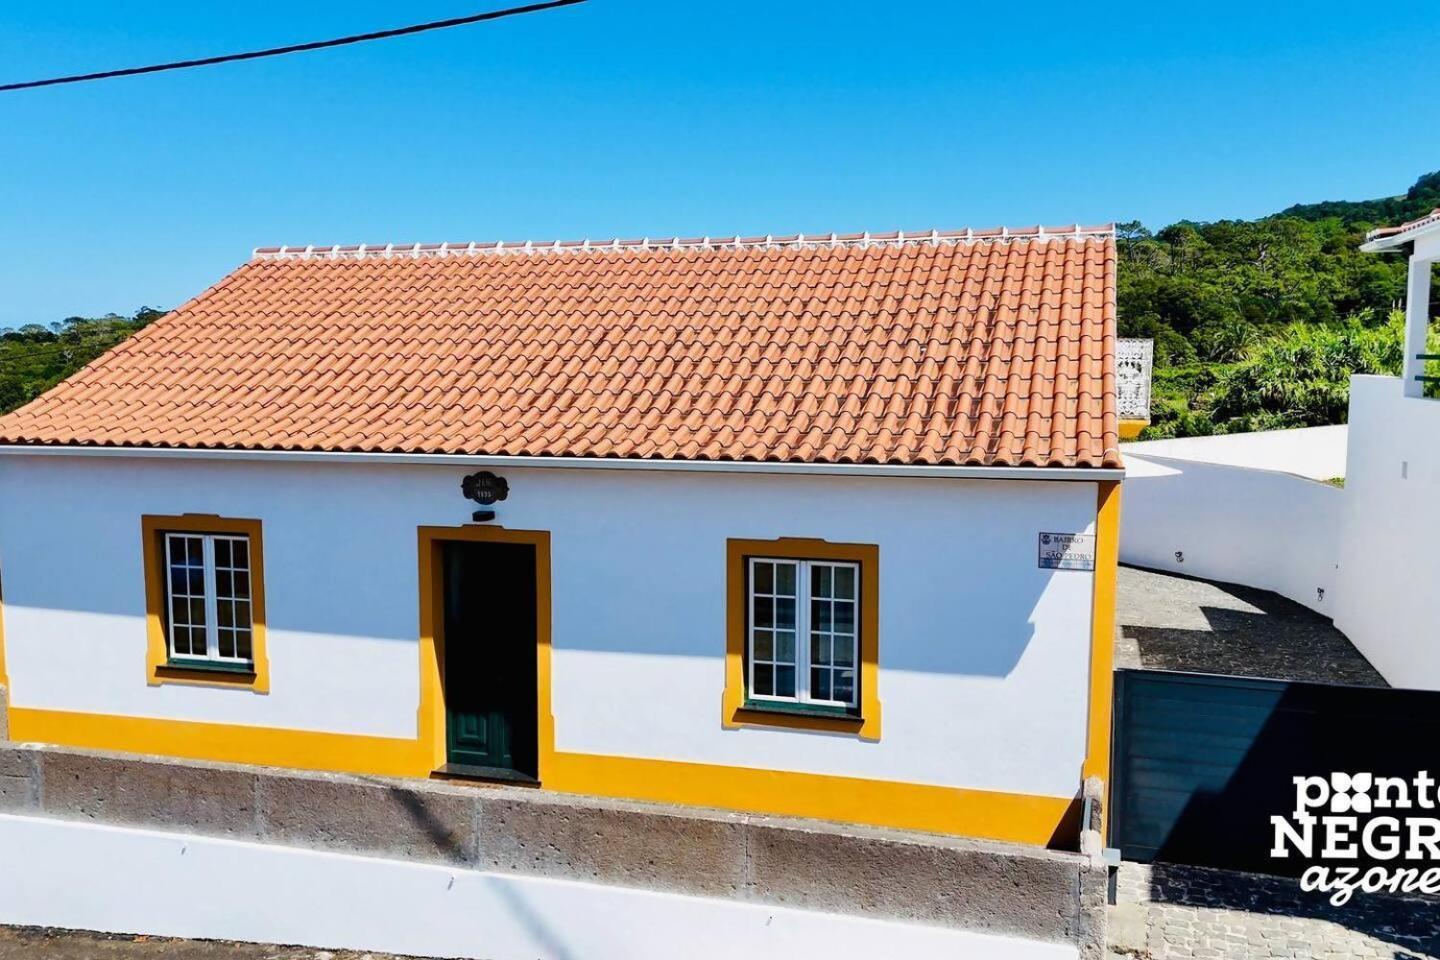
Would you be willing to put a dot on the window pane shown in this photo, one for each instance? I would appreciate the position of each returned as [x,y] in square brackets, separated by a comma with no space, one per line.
[242,585]
[764,680]
[845,685]
[179,612]
[227,642]
[844,651]
[785,681]
[785,613]
[179,580]
[764,577]
[242,644]
[820,684]
[197,641]
[820,615]
[820,581]
[820,648]
[242,614]
[785,646]
[845,582]
[225,613]
[785,579]
[240,554]
[764,645]
[844,616]
[222,552]
[764,612]
[197,613]
[222,583]
[196,587]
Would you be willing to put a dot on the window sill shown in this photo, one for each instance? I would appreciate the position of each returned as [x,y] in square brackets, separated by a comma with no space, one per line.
[241,676]
[777,708]
[209,666]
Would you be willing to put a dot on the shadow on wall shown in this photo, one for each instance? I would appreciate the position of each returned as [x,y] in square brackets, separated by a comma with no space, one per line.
[977,628]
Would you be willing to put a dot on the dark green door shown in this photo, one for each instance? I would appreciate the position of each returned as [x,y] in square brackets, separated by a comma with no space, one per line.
[490,653]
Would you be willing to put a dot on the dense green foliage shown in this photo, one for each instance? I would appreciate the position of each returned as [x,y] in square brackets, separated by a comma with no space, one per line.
[34,358]
[1258,324]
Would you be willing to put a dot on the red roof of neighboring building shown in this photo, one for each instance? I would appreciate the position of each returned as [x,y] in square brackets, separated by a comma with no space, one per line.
[1380,232]
[993,348]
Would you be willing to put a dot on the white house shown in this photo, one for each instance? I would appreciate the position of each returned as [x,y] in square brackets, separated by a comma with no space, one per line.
[1392,471]
[815,526]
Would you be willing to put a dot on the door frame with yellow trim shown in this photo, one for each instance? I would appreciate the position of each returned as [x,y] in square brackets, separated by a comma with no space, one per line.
[432,636]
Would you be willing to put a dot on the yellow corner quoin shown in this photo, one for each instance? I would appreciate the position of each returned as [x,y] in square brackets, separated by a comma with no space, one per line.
[1020,818]
[1102,640]
[732,711]
[158,668]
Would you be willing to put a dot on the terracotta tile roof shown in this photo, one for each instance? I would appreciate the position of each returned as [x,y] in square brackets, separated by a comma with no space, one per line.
[938,349]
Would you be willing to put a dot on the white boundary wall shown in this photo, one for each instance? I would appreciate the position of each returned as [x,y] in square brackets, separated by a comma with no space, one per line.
[1260,528]
[1390,608]
[125,880]
[1314,452]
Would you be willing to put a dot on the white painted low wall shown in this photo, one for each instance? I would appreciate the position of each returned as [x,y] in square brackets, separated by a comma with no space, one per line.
[1390,608]
[1275,531]
[1314,452]
[122,880]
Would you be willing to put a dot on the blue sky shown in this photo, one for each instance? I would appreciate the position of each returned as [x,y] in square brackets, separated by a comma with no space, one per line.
[637,118]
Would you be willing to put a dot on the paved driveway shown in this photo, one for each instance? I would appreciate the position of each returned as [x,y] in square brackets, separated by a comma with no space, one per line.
[1169,622]
[1188,913]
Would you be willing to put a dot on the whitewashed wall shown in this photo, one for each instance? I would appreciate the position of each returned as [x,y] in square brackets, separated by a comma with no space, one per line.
[1390,608]
[984,657]
[1275,531]
[1314,452]
[124,880]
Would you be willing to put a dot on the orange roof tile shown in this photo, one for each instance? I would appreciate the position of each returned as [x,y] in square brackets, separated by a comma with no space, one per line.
[992,349]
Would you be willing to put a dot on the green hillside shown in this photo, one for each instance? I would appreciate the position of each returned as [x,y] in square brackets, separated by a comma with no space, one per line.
[1257,324]
[34,358]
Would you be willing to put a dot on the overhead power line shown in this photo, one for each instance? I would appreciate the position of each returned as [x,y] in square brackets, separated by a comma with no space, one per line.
[293,48]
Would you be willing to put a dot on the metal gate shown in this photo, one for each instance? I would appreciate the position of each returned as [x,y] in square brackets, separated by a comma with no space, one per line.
[1201,762]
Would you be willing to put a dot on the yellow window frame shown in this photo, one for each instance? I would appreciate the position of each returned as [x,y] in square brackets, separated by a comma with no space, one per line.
[734,711]
[158,668]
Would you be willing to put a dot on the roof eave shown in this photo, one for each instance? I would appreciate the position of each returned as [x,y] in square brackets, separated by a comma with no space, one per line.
[964,472]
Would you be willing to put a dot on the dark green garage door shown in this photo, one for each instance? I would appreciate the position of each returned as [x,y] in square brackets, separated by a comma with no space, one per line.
[1201,762]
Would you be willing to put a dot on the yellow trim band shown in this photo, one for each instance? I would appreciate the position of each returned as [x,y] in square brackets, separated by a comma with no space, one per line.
[1019,818]
[1102,638]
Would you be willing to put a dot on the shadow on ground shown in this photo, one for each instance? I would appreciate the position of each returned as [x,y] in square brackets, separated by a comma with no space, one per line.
[1170,622]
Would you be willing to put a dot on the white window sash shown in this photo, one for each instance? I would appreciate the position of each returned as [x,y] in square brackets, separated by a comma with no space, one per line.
[211,597]
[802,661]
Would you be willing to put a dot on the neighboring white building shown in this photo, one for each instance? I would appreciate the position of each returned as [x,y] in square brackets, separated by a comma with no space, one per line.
[1390,609]
[809,526]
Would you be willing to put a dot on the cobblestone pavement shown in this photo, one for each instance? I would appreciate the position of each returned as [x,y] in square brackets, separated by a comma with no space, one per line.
[53,944]
[1170,622]
[1165,912]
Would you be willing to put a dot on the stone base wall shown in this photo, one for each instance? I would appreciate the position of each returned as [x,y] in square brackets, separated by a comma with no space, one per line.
[984,886]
